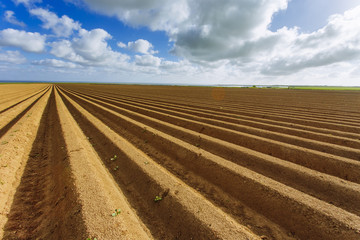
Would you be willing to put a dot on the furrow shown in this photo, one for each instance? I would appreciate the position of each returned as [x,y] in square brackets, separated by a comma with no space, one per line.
[8,119]
[239,117]
[16,101]
[247,106]
[336,191]
[181,117]
[98,192]
[44,203]
[182,213]
[14,151]
[323,162]
[249,186]
[245,125]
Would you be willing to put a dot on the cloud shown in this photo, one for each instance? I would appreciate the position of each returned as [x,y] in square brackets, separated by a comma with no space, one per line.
[139,46]
[89,48]
[218,30]
[10,17]
[147,60]
[55,63]
[62,27]
[216,41]
[12,57]
[155,14]
[26,2]
[27,41]
[122,45]
[204,30]
[236,33]
[338,41]
[181,67]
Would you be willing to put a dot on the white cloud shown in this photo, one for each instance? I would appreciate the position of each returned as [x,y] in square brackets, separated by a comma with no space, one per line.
[27,41]
[122,45]
[218,41]
[62,27]
[139,46]
[90,48]
[338,41]
[12,57]
[55,63]
[204,30]
[147,60]
[236,33]
[10,17]
[64,49]
[182,67]
[156,14]
[26,2]
[219,30]
[92,45]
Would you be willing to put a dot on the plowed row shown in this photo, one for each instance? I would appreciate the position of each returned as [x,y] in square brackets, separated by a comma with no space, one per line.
[225,163]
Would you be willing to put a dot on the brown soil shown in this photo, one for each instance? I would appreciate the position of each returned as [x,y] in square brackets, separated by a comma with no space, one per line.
[227,163]
[45,204]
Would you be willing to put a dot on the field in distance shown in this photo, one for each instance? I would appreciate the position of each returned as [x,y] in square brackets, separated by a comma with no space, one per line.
[325,88]
[85,161]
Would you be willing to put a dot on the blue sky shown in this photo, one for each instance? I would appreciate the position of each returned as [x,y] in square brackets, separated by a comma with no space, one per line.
[298,42]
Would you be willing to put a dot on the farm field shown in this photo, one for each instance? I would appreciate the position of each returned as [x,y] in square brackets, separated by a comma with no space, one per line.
[82,161]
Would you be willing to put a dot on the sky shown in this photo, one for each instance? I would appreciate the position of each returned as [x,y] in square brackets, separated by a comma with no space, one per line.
[202,42]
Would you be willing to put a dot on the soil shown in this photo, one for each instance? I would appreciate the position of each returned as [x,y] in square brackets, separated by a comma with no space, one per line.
[179,163]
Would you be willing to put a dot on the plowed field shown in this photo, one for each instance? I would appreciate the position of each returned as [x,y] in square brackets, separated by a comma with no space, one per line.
[178,163]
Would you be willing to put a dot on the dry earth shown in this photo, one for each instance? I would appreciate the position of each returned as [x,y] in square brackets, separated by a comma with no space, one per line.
[179,163]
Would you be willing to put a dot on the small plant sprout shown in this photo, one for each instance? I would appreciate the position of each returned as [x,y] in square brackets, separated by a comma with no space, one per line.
[146,163]
[117,212]
[116,168]
[91,238]
[4,142]
[157,199]
[113,158]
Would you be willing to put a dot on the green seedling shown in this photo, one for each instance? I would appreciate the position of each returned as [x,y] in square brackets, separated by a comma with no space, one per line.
[116,168]
[113,158]
[117,212]
[1,182]
[4,165]
[91,239]
[157,199]
[197,144]
[4,142]
[15,131]
[146,163]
